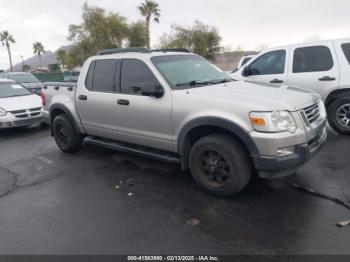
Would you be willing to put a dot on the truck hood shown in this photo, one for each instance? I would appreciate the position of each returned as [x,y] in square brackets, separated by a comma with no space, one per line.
[20,102]
[261,96]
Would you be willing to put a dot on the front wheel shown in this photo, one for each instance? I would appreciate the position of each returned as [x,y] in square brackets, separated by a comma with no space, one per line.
[220,165]
[67,139]
[339,115]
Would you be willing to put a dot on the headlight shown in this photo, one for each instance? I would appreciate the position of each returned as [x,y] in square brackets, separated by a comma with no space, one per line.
[2,112]
[272,122]
[322,109]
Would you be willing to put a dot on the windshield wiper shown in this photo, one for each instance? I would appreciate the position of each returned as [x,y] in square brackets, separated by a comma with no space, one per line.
[221,81]
[194,83]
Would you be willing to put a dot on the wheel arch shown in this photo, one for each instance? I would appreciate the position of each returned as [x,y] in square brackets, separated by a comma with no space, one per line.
[58,109]
[335,94]
[198,128]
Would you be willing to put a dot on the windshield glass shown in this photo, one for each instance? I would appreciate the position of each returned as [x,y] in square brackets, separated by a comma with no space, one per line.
[188,71]
[23,78]
[12,90]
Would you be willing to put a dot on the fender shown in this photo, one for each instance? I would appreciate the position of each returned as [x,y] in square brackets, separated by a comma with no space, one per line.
[183,143]
[67,113]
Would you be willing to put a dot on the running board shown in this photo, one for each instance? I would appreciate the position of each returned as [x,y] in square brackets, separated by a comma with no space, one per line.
[138,150]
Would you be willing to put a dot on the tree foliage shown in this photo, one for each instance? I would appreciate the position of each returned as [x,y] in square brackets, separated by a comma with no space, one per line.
[137,34]
[61,57]
[200,38]
[26,68]
[98,30]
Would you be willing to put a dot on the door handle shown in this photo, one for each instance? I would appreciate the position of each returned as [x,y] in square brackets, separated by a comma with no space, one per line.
[82,97]
[327,78]
[123,102]
[276,81]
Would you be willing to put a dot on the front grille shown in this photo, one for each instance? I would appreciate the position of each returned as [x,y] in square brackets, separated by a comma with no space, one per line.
[27,113]
[311,113]
[35,109]
[18,112]
[28,121]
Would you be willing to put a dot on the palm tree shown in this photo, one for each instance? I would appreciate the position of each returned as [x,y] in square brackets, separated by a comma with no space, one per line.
[38,50]
[61,56]
[148,9]
[6,39]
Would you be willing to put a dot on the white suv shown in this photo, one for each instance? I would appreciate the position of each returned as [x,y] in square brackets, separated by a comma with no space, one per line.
[323,67]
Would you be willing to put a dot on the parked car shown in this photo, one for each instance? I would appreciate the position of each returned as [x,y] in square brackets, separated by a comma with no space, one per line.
[323,67]
[28,80]
[176,106]
[18,106]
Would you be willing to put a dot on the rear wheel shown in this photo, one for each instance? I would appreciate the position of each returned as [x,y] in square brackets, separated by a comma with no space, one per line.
[220,165]
[339,115]
[67,139]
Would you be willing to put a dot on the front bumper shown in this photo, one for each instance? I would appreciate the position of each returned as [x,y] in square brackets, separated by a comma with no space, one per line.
[46,117]
[12,122]
[277,167]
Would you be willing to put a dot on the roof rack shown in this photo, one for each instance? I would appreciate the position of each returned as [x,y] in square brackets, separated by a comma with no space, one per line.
[124,50]
[140,50]
[165,50]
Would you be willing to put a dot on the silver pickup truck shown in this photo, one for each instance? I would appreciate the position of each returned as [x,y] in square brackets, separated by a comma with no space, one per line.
[175,106]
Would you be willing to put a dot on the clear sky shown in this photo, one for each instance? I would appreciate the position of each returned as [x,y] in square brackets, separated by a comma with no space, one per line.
[247,23]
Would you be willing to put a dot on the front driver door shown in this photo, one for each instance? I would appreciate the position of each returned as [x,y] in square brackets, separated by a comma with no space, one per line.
[270,67]
[143,120]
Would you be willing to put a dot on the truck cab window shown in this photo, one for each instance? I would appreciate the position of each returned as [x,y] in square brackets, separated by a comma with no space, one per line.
[312,59]
[346,50]
[269,64]
[135,74]
[101,76]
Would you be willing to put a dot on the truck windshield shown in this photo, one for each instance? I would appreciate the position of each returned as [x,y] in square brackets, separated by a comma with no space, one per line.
[24,78]
[12,90]
[189,71]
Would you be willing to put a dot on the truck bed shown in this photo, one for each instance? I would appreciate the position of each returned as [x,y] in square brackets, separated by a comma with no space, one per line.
[57,91]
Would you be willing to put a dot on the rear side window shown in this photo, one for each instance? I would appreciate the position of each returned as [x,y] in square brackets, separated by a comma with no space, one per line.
[135,74]
[312,59]
[346,50]
[89,77]
[246,60]
[102,75]
[269,64]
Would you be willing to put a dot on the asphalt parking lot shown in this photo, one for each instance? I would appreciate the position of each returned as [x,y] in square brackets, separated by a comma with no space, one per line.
[105,202]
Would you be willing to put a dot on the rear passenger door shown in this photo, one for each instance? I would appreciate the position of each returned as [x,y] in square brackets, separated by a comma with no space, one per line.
[269,67]
[143,120]
[96,98]
[314,67]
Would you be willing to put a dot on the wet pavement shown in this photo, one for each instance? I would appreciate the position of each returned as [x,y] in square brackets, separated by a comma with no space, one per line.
[105,202]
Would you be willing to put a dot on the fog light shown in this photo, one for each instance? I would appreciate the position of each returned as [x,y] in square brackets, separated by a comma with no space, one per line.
[286,151]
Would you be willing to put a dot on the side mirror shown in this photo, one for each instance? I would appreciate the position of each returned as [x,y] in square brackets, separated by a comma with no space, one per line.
[151,89]
[246,71]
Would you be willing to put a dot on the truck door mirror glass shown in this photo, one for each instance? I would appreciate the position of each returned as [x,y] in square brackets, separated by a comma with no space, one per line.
[151,89]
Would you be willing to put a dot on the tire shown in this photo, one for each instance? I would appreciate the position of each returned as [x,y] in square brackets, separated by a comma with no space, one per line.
[220,165]
[67,139]
[339,115]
